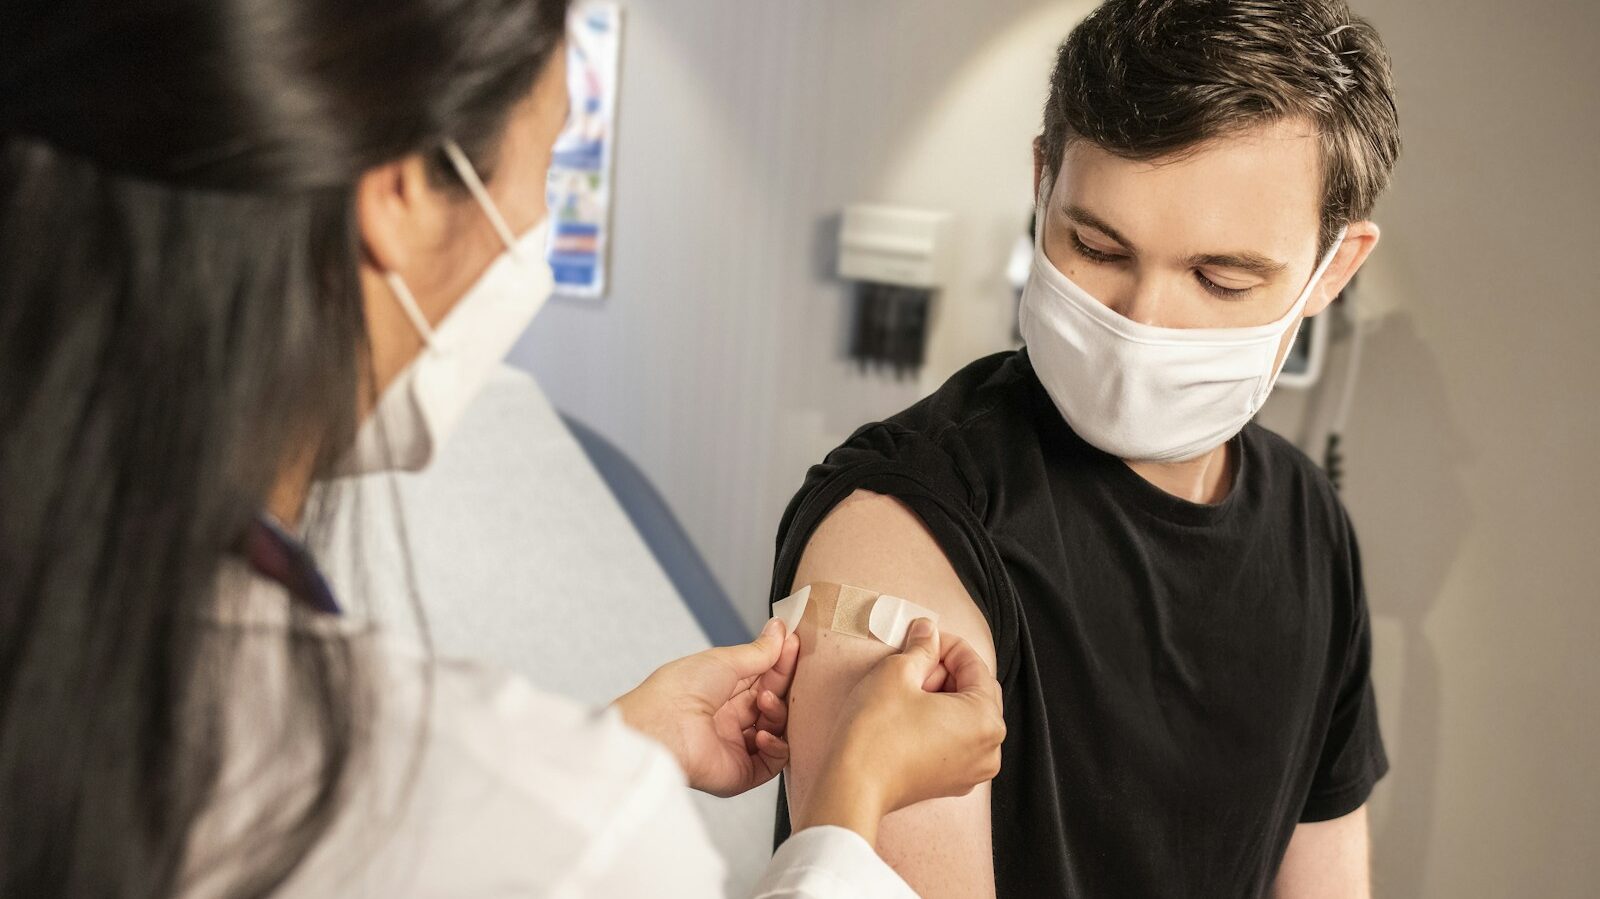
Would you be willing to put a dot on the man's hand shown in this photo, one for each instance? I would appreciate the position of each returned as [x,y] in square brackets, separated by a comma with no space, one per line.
[721,712]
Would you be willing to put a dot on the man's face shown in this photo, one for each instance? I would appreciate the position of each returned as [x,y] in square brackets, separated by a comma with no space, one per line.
[1223,237]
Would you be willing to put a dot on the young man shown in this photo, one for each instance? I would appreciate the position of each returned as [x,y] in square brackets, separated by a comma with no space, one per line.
[1170,595]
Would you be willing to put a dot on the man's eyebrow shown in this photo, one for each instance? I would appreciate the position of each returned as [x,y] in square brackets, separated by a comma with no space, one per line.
[1245,261]
[1085,217]
[1254,263]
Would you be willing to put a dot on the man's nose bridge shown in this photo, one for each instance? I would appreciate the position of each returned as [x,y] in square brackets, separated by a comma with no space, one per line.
[1146,302]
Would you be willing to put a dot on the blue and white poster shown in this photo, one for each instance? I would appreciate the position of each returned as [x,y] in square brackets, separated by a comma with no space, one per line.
[579,191]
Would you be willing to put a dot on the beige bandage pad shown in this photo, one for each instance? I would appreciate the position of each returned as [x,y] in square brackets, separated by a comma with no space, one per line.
[852,610]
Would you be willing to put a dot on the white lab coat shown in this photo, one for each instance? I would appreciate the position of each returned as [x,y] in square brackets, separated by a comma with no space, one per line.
[515,792]
[523,558]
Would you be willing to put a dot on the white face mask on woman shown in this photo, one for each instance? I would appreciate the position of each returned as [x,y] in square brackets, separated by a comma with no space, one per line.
[418,410]
[1141,392]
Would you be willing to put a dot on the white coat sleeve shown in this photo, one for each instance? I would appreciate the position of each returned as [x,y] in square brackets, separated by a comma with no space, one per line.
[667,857]
[666,854]
[828,862]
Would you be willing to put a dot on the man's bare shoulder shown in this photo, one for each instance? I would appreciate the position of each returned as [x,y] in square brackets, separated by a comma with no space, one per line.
[873,541]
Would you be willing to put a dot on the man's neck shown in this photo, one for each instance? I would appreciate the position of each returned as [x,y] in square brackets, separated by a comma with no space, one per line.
[1205,479]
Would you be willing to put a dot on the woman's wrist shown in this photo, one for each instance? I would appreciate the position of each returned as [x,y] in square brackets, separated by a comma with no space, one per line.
[625,707]
[844,796]
[637,714]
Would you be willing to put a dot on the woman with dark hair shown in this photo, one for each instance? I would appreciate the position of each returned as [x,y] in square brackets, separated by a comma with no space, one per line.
[245,245]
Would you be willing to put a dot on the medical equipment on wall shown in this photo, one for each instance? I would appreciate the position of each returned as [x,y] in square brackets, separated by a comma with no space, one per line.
[899,259]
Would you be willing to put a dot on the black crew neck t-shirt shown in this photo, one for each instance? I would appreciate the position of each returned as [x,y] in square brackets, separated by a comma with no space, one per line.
[1183,683]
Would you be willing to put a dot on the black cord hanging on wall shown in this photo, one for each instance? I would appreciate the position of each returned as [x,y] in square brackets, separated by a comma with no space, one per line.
[898,260]
[891,326]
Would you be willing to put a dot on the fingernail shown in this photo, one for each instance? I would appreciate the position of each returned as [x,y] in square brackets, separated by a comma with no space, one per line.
[921,628]
[773,622]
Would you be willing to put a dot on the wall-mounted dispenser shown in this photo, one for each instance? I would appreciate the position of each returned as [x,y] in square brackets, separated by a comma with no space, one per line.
[899,259]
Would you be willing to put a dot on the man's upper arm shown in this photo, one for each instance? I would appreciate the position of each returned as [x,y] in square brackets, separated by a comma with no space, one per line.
[941,847]
[1327,860]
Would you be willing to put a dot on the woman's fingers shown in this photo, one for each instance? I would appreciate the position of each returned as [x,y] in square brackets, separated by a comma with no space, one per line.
[743,708]
[778,678]
[970,679]
[921,654]
[774,712]
[748,661]
[968,672]
[772,752]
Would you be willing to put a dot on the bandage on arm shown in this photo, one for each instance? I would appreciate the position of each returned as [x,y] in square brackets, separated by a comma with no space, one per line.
[854,611]
[873,543]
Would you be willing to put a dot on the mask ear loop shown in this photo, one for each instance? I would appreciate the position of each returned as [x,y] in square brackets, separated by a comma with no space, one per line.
[1322,268]
[480,193]
[1041,209]
[469,177]
[408,305]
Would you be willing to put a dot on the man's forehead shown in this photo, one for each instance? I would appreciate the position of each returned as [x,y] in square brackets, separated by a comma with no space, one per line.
[1257,189]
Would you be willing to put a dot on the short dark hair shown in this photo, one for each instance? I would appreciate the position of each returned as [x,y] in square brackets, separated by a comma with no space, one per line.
[1146,79]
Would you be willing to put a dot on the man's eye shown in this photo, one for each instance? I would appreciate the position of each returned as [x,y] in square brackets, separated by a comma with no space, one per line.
[1091,253]
[1215,289]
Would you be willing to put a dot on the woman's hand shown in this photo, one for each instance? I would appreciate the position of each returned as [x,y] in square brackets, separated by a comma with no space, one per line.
[922,724]
[721,712]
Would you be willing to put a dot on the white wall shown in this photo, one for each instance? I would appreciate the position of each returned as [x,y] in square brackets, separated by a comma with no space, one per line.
[716,361]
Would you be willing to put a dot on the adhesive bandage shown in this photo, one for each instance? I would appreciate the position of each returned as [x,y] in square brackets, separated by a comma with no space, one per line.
[852,610]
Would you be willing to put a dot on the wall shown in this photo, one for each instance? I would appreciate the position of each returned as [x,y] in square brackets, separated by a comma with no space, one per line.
[716,361]
[1472,474]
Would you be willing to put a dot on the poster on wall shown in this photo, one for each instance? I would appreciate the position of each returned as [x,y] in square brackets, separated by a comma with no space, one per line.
[579,190]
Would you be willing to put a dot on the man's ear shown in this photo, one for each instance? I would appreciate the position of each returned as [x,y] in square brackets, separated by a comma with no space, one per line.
[1360,239]
[397,213]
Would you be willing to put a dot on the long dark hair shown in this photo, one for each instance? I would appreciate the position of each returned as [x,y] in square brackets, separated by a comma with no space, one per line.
[181,321]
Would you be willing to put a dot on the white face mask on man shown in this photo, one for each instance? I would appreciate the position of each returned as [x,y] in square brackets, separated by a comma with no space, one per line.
[1141,392]
[419,409]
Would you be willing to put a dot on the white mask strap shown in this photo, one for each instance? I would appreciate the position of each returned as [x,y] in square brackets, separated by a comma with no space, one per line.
[1041,209]
[408,304]
[469,177]
[474,184]
[1322,268]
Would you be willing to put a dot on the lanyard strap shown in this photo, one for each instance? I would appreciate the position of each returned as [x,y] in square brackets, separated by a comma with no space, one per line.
[275,555]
